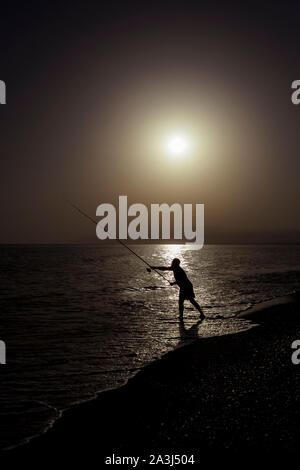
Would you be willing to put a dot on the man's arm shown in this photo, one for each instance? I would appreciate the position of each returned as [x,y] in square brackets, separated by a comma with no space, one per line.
[162,268]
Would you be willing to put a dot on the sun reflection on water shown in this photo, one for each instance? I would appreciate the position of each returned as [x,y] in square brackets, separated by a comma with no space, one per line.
[170,252]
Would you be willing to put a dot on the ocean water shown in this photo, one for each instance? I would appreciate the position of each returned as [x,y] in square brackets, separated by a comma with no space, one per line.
[79,319]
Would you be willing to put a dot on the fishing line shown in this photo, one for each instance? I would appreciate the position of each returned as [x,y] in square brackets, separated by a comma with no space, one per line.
[120,241]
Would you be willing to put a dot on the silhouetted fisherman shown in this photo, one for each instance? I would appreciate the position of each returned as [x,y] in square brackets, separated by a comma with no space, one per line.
[185,285]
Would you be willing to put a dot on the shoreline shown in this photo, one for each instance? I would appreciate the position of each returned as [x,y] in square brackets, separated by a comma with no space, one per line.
[204,352]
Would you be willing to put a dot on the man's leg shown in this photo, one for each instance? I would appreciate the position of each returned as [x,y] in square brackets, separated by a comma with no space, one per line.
[181,306]
[193,301]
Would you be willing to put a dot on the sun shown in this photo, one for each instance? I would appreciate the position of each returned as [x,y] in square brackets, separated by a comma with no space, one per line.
[177,145]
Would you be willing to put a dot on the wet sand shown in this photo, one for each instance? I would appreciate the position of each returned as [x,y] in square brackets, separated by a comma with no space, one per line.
[216,398]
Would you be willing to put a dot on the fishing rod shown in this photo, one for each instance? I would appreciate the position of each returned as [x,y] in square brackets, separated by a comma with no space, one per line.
[149,269]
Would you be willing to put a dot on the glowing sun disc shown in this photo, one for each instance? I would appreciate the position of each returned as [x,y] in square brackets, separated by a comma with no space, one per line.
[177,145]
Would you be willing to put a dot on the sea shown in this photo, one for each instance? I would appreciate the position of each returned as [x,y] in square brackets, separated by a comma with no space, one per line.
[81,319]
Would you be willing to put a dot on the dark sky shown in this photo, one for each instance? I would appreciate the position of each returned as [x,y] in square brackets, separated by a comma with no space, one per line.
[93,89]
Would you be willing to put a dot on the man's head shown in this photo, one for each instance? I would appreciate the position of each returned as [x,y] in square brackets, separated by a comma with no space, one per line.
[175,263]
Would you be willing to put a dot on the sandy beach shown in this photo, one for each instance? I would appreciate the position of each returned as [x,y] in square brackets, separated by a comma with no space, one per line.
[215,397]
